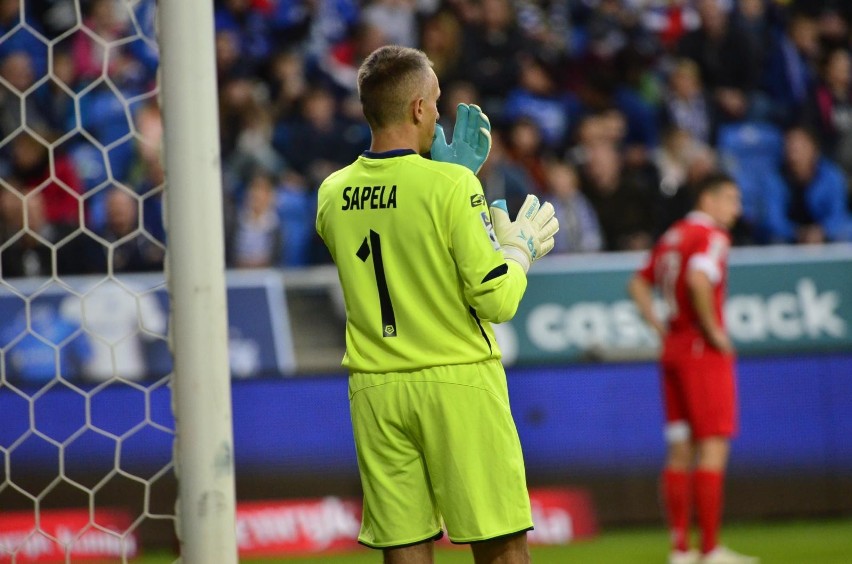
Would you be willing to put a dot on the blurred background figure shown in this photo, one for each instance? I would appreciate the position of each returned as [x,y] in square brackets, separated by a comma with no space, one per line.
[623,203]
[579,231]
[32,167]
[525,147]
[257,240]
[502,178]
[791,69]
[685,105]
[28,235]
[725,56]
[126,247]
[807,199]
[832,108]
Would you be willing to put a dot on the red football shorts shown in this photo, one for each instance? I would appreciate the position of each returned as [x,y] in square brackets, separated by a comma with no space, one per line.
[699,388]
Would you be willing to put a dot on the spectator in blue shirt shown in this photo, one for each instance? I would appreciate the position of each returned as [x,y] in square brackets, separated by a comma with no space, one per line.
[806,202]
[539,99]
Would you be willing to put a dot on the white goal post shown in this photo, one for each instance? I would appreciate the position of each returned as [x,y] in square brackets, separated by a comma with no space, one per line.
[195,272]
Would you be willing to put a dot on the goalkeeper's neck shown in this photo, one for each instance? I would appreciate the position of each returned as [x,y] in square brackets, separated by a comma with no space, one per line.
[398,136]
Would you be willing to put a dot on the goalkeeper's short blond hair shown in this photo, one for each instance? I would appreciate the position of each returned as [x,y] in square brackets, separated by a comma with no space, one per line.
[389,79]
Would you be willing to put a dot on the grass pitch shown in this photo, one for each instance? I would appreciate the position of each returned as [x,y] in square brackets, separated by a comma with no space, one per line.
[798,542]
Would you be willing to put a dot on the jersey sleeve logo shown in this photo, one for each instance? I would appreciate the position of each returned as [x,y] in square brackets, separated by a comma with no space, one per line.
[477,200]
[489,229]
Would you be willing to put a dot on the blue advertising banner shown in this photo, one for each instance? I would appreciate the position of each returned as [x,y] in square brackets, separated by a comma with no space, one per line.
[89,329]
[597,418]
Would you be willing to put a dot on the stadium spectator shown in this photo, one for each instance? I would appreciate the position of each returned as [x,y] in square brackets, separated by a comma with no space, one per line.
[397,17]
[832,108]
[257,240]
[420,438]
[30,168]
[18,38]
[123,245]
[441,40]
[791,69]
[319,141]
[490,53]
[579,231]
[296,204]
[807,200]
[725,55]
[759,20]
[502,178]
[288,83]
[538,98]
[704,162]
[623,203]
[689,267]
[339,65]
[29,237]
[525,147]
[603,94]
[606,56]
[253,147]
[458,92]
[46,109]
[89,54]
[238,98]
[833,21]
[685,105]
[228,57]
[673,157]
[669,21]
[683,163]
[248,28]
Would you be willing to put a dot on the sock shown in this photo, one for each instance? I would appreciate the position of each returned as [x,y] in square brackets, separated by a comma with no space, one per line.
[708,504]
[677,503]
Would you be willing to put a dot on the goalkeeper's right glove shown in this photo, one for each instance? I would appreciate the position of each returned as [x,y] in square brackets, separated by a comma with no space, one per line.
[530,236]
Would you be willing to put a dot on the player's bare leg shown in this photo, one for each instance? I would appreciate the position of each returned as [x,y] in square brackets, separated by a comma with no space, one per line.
[681,455]
[511,549]
[422,553]
[713,454]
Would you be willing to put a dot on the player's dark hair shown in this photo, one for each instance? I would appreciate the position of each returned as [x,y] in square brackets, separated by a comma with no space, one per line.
[387,80]
[712,183]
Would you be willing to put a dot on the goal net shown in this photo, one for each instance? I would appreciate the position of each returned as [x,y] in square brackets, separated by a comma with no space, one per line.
[85,389]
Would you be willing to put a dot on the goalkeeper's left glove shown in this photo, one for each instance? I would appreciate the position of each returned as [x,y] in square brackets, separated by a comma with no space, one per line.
[530,236]
[471,139]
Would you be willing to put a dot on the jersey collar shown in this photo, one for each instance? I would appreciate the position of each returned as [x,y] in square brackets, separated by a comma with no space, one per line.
[388,154]
[701,217]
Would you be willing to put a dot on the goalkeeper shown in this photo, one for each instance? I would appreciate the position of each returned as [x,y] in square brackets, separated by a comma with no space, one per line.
[425,270]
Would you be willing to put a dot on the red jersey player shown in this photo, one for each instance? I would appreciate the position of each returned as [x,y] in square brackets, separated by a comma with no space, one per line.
[688,266]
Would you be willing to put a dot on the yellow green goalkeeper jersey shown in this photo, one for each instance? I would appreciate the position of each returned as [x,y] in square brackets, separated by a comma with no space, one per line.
[421,269]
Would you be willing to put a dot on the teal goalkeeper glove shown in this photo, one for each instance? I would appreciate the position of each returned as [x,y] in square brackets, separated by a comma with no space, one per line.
[530,236]
[471,139]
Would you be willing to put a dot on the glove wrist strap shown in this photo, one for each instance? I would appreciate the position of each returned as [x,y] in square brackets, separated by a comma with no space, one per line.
[517,255]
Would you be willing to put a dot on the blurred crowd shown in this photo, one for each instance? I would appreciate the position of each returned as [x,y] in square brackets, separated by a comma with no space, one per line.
[611,109]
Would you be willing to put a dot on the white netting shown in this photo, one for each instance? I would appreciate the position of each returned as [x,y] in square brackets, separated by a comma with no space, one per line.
[87,428]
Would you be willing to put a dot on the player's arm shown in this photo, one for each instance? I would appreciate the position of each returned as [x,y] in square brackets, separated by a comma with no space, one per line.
[493,286]
[700,288]
[642,293]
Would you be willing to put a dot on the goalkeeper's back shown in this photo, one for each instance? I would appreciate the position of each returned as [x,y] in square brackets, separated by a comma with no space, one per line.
[420,267]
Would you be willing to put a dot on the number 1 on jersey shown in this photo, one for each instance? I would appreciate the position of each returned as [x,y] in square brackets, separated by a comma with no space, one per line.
[386,306]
